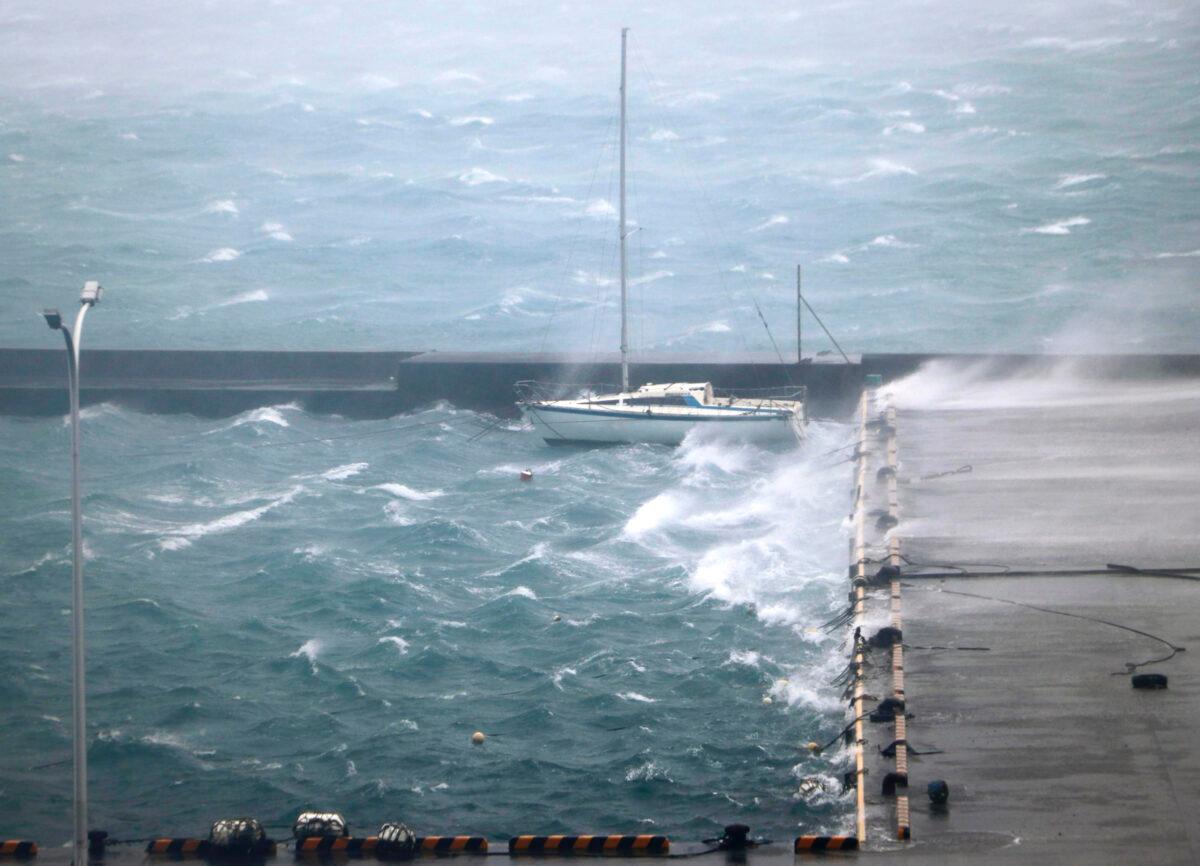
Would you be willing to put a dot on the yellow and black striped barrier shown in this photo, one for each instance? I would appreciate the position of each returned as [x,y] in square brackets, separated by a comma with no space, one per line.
[826,843]
[622,845]
[178,847]
[337,844]
[18,848]
[451,845]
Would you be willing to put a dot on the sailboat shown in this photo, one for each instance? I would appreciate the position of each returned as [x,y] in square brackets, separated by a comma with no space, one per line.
[662,413]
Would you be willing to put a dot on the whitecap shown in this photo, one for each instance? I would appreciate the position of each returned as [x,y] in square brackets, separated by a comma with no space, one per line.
[398,642]
[560,673]
[374,83]
[477,175]
[890,241]
[472,120]
[837,258]
[183,536]
[647,772]
[883,168]
[664,135]
[652,277]
[16,157]
[914,128]
[637,697]
[421,112]
[522,592]
[1062,227]
[222,254]
[1069,180]
[275,231]
[225,205]
[749,658]
[396,514]
[518,97]
[309,650]
[1188,255]
[405,492]
[778,219]
[339,473]
[653,515]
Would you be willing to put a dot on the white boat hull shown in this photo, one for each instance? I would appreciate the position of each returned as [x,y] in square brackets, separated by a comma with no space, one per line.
[561,426]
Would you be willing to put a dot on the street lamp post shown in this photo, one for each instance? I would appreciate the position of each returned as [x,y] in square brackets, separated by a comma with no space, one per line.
[88,299]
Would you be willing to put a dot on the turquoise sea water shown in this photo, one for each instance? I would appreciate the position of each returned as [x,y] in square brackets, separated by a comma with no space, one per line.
[324,624]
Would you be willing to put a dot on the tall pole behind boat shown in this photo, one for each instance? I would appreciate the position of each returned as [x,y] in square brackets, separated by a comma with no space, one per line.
[799,318]
[624,269]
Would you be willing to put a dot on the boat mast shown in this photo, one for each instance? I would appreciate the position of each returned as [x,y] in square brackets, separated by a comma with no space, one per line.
[624,268]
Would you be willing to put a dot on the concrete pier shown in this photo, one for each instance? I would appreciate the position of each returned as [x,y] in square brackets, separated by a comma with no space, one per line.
[1014,492]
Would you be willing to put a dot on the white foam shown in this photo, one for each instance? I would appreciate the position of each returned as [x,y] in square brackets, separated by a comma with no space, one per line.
[522,592]
[222,254]
[560,673]
[421,112]
[309,650]
[778,219]
[398,642]
[1191,254]
[881,168]
[129,136]
[837,259]
[1062,227]
[664,135]
[910,127]
[396,513]
[226,205]
[478,175]
[1069,180]
[653,515]
[890,241]
[405,492]
[183,536]
[646,772]
[264,415]
[472,120]
[636,696]
[518,97]
[339,473]
[749,658]
[275,231]
[16,157]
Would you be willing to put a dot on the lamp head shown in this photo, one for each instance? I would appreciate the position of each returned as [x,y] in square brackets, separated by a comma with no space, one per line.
[91,293]
[53,319]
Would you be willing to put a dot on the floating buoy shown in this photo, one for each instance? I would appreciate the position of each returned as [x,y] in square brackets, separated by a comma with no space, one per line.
[558,617]
[814,746]
[767,700]
[477,738]
[526,474]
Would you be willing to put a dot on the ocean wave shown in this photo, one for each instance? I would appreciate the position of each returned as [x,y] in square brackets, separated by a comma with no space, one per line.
[226,205]
[309,650]
[222,254]
[340,473]
[403,491]
[399,643]
[880,168]
[910,127]
[778,219]
[477,176]
[183,536]
[637,697]
[1061,227]
[1066,181]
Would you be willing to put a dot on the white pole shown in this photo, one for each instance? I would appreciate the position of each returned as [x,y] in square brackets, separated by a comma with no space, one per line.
[79,718]
[624,268]
[799,318]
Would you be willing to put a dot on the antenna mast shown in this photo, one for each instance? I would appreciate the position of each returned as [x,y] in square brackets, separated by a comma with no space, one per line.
[624,268]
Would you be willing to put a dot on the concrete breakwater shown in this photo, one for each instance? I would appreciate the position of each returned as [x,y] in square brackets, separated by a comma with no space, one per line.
[384,383]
